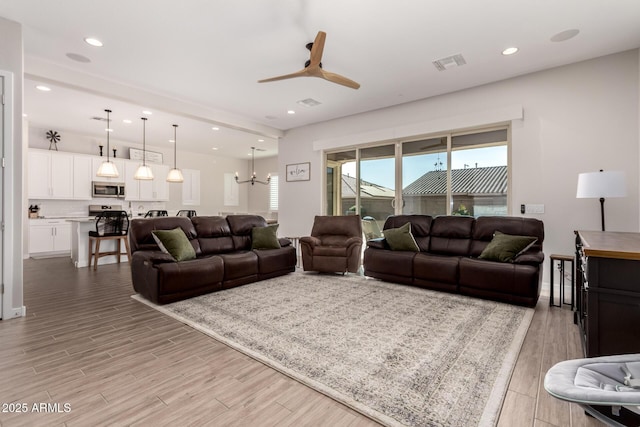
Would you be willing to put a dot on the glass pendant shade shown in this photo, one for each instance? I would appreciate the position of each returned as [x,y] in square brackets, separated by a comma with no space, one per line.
[175,174]
[144,172]
[108,169]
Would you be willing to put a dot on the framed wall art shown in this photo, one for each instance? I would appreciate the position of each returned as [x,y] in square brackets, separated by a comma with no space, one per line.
[299,172]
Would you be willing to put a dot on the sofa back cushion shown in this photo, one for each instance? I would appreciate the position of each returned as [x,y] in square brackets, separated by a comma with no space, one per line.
[486,226]
[241,226]
[451,235]
[420,227]
[214,234]
[336,230]
[140,237]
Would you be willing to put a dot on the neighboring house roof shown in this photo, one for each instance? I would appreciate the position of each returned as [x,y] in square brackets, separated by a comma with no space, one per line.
[367,189]
[472,181]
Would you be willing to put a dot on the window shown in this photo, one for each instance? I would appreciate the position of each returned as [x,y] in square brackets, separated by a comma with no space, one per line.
[463,173]
[273,193]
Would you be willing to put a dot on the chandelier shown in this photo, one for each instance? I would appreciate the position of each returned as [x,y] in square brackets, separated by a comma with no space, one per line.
[253,178]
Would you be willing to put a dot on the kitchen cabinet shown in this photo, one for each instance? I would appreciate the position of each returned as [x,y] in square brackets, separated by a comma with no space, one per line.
[97,161]
[55,175]
[191,187]
[49,235]
[156,189]
[50,175]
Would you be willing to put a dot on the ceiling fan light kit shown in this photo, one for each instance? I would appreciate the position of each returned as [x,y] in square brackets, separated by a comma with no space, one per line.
[107,168]
[313,66]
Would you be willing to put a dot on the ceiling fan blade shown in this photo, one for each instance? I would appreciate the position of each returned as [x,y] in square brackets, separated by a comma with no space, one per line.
[317,48]
[341,80]
[300,73]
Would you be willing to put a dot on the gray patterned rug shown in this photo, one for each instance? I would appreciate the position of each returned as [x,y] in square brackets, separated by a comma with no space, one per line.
[398,354]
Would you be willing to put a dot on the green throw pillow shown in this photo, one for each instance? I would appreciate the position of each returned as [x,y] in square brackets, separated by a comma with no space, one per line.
[506,247]
[265,237]
[401,239]
[175,243]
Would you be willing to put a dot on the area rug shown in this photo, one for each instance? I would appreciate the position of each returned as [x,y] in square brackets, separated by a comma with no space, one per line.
[398,354]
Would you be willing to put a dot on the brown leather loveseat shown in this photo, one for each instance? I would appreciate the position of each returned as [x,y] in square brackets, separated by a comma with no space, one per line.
[224,258]
[449,257]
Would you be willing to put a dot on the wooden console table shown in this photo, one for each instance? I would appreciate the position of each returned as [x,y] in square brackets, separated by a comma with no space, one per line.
[608,292]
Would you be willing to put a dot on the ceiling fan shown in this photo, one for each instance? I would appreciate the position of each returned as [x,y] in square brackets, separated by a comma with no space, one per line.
[313,67]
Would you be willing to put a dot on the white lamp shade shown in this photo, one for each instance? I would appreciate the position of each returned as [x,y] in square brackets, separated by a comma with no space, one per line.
[594,185]
[143,172]
[175,175]
[108,169]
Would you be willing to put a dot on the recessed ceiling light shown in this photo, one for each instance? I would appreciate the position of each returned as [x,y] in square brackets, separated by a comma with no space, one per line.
[109,130]
[77,57]
[291,112]
[565,35]
[43,88]
[510,51]
[261,140]
[127,121]
[214,148]
[147,112]
[24,114]
[93,41]
[172,141]
[215,128]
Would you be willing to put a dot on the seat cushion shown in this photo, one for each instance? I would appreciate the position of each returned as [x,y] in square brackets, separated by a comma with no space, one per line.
[337,251]
[239,264]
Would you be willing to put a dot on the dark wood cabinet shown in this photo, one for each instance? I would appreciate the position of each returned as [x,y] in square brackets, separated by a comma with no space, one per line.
[608,292]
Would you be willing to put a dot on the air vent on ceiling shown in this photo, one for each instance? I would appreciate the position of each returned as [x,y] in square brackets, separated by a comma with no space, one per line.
[309,102]
[449,62]
[100,119]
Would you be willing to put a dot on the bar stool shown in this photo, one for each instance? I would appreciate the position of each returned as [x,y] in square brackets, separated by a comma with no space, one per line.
[110,225]
[155,212]
[187,213]
[562,259]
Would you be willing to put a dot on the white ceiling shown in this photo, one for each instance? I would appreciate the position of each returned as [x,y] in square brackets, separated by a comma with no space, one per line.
[208,55]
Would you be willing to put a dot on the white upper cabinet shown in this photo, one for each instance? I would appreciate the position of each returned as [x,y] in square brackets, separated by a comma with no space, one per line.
[191,187]
[50,175]
[156,189]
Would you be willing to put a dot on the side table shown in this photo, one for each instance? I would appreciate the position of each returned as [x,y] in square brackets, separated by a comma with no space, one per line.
[561,260]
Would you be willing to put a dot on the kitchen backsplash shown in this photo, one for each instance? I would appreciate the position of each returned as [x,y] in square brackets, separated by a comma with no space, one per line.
[80,208]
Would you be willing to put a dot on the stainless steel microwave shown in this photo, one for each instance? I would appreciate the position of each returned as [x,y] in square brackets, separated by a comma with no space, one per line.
[108,189]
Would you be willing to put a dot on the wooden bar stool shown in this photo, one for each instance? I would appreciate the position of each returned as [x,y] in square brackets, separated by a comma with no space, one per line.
[110,225]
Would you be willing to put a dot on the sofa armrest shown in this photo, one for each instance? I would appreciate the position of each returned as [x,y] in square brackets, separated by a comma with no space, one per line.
[353,241]
[284,242]
[379,243]
[311,241]
[532,258]
[152,257]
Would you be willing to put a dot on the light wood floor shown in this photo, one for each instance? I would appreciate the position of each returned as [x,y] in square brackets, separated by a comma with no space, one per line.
[114,361]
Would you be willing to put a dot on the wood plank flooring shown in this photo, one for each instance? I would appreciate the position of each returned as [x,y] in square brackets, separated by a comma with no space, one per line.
[115,361]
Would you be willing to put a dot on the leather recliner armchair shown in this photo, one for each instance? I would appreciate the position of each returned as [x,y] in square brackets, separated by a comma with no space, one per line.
[335,244]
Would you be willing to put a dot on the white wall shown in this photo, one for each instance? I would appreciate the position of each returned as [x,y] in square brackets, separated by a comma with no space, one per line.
[11,60]
[577,118]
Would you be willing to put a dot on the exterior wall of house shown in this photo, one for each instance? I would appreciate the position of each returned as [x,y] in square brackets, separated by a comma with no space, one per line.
[577,118]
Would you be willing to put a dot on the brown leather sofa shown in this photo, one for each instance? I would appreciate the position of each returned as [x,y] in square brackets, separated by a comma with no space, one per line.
[224,258]
[448,257]
[335,244]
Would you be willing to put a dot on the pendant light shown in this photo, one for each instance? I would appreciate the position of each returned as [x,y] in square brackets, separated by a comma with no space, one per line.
[175,174]
[107,168]
[254,178]
[144,172]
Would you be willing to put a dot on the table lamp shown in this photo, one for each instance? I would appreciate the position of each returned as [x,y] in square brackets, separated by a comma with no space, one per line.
[599,185]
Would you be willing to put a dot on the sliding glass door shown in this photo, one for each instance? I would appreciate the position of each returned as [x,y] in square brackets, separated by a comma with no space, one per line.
[464,173]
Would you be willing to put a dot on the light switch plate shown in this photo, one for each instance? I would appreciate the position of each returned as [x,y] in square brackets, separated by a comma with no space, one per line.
[534,209]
